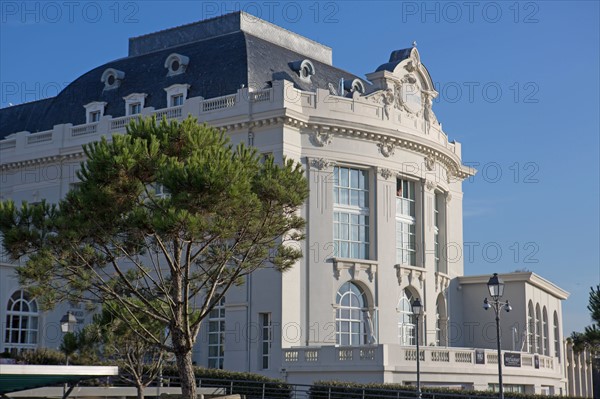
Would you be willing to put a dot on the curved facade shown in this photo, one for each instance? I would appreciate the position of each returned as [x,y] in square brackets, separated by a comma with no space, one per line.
[384,212]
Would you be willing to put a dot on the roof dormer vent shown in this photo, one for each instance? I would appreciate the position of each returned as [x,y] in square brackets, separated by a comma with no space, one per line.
[176,64]
[304,68]
[112,78]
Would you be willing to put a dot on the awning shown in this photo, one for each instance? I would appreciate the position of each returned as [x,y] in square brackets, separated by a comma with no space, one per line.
[18,377]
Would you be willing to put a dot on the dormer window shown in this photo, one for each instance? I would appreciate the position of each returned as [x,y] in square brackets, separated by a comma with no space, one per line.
[176,100]
[176,94]
[112,78]
[176,64]
[135,108]
[134,103]
[355,85]
[94,111]
[305,69]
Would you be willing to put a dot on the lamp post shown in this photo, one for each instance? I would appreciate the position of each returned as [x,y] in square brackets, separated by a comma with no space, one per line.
[67,325]
[496,289]
[417,309]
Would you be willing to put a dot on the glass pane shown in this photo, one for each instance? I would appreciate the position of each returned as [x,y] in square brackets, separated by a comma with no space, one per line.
[344,179]
[354,177]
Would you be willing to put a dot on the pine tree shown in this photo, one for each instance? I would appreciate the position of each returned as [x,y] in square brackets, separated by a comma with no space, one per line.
[166,219]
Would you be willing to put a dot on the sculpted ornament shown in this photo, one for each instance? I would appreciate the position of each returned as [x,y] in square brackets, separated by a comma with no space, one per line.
[430,162]
[319,164]
[385,173]
[430,184]
[320,139]
[387,149]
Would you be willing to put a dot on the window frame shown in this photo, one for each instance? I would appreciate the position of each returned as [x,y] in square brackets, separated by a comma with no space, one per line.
[216,317]
[351,213]
[25,335]
[406,223]
[356,327]
[266,340]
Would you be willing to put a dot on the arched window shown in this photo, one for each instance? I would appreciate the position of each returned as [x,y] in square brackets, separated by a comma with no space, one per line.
[440,321]
[352,316]
[21,321]
[530,329]
[538,329]
[407,321]
[556,337]
[546,348]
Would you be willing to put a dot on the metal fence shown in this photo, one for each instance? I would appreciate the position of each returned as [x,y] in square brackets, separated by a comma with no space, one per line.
[273,390]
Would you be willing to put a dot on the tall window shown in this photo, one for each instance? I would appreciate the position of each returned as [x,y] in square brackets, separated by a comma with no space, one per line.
[556,337]
[351,213]
[440,321]
[406,253]
[546,348]
[21,321]
[216,336]
[351,316]
[530,328]
[266,336]
[408,320]
[538,330]
[436,229]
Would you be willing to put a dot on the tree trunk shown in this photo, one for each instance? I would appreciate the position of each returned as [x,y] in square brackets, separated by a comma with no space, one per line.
[186,373]
[140,391]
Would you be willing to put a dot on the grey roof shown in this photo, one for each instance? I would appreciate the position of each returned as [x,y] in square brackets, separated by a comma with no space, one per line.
[396,57]
[217,66]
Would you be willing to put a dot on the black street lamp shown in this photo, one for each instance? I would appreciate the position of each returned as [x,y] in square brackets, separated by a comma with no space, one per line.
[417,309]
[496,289]
[67,325]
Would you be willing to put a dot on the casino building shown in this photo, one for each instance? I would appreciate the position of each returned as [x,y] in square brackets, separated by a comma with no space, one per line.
[384,213]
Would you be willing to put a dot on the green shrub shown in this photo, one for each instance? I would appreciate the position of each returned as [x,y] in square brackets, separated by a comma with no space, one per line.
[351,390]
[42,356]
[248,384]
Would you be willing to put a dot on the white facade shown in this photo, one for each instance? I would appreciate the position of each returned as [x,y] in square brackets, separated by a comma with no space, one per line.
[384,226]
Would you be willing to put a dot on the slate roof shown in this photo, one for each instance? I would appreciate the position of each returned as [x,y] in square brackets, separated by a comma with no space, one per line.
[217,66]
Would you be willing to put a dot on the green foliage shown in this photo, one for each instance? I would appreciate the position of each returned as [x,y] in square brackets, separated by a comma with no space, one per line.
[248,384]
[351,390]
[43,356]
[169,258]
[590,338]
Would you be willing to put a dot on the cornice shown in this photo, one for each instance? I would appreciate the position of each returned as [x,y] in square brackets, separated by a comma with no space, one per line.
[41,161]
[524,277]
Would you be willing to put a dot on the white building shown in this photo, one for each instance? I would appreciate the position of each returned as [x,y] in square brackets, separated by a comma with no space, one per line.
[384,213]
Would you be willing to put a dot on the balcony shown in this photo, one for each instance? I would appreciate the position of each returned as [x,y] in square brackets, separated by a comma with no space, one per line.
[397,358]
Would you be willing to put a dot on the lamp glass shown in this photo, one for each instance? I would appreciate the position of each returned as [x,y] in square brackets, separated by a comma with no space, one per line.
[496,286]
[417,307]
[68,322]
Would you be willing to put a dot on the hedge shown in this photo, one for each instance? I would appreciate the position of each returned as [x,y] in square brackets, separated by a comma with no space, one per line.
[350,390]
[248,384]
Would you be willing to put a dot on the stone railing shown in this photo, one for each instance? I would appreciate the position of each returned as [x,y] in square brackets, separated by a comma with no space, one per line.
[169,113]
[261,96]
[397,355]
[83,130]
[120,123]
[39,137]
[218,103]
[319,105]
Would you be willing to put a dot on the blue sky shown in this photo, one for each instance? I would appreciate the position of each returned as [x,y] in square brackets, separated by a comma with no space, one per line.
[519,88]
